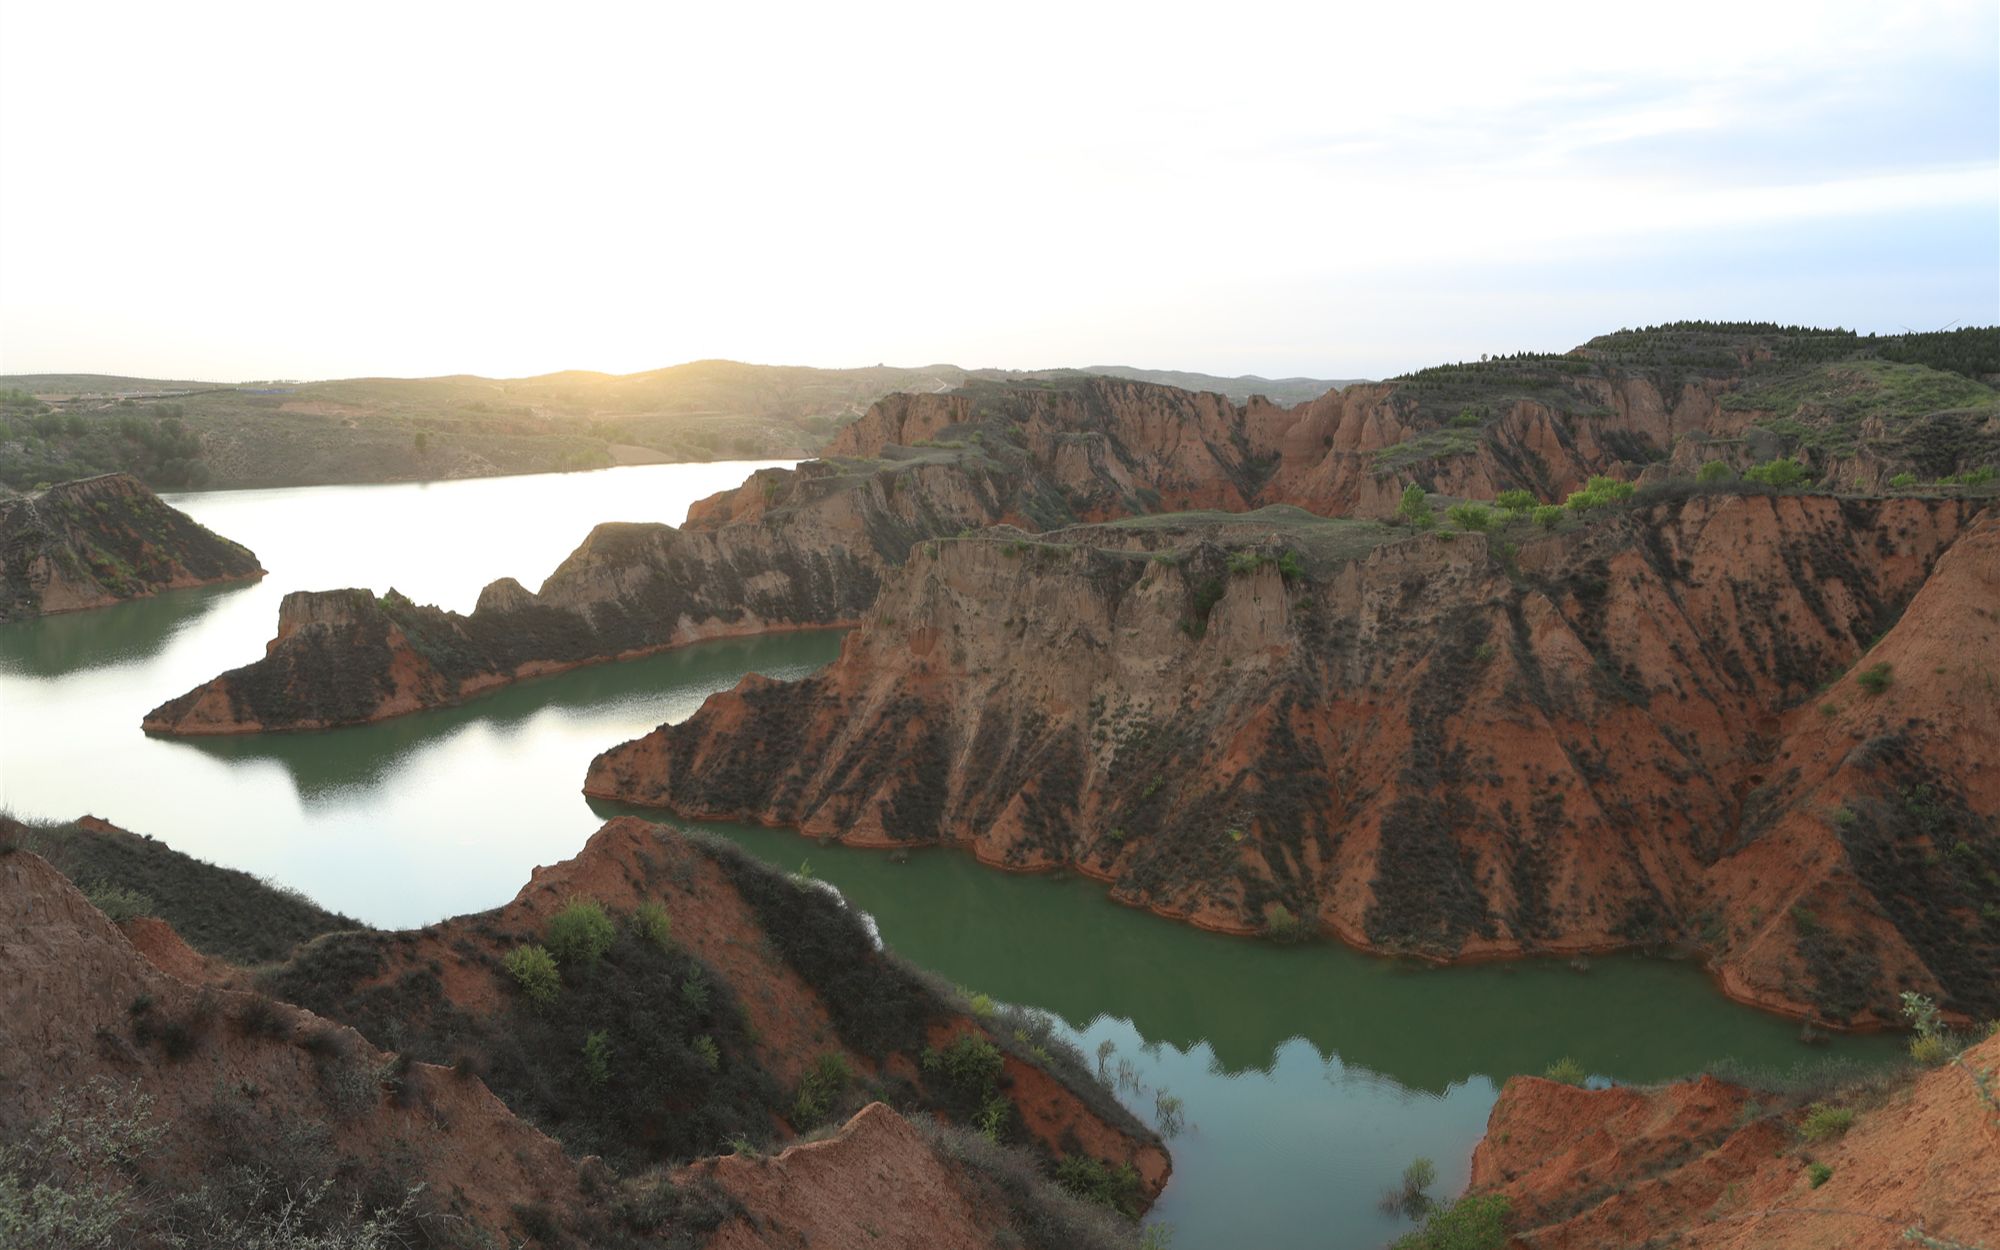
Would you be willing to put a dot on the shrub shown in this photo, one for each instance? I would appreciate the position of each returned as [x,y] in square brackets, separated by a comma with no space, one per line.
[1415,508]
[1474,1222]
[1875,678]
[653,924]
[1280,925]
[1779,474]
[1598,492]
[1042,1216]
[534,970]
[1903,481]
[1409,1199]
[1470,516]
[1467,419]
[1711,471]
[1930,1051]
[1515,501]
[710,1054]
[1549,515]
[1818,1174]
[580,933]
[597,1058]
[820,1090]
[118,903]
[970,1062]
[1824,1123]
[1095,1181]
[1567,1071]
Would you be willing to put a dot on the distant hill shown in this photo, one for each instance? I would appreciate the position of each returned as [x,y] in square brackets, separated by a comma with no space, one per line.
[178,435]
[1287,391]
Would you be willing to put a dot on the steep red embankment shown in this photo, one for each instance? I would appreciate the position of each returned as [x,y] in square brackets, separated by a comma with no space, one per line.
[100,540]
[810,546]
[241,1085]
[1713,1166]
[1608,738]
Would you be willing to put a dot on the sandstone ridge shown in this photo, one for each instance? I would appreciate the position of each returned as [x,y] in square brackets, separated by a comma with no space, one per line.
[1666,727]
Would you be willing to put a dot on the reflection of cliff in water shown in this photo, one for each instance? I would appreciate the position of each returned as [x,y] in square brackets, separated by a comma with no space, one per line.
[1060,945]
[327,764]
[124,633]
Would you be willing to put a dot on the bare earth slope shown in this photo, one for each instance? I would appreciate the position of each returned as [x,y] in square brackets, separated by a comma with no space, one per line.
[100,540]
[1440,743]
[241,1083]
[1713,1166]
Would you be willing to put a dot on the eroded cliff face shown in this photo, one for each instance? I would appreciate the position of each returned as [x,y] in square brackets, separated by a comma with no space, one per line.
[810,546]
[791,977]
[100,540]
[348,657]
[427,1066]
[1616,737]
[1713,1165]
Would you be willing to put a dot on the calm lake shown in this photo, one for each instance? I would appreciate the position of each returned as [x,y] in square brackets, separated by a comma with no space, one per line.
[1309,1075]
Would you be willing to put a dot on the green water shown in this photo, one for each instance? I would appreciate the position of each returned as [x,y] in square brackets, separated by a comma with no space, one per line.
[1309,1075]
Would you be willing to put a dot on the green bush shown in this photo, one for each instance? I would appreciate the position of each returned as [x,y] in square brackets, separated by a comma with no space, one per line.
[1875,678]
[1280,925]
[1415,508]
[1474,1222]
[1598,492]
[597,1057]
[1470,516]
[1095,1181]
[118,903]
[1824,1123]
[1711,471]
[1818,1174]
[1567,1071]
[1548,516]
[1903,481]
[1467,419]
[1931,1050]
[534,970]
[1779,474]
[1515,501]
[580,933]
[971,1063]
[653,924]
[820,1090]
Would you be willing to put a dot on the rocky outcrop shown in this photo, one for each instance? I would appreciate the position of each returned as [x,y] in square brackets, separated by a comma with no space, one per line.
[810,546]
[427,1066]
[101,540]
[1658,729]
[347,657]
[793,975]
[1715,1166]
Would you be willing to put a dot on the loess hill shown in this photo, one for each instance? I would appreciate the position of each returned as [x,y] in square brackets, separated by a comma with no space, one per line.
[194,435]
[810,546]
[704,1013]
[101,540]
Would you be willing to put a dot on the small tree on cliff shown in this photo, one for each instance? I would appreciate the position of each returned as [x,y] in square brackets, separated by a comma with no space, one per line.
[1415,508]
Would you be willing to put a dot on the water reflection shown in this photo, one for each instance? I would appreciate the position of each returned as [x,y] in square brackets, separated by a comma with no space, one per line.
[127,634]
[331,765]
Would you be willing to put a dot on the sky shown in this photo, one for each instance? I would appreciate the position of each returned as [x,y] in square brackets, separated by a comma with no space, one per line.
[246,191]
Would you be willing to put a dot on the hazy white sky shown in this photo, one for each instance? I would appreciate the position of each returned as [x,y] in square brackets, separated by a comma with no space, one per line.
[287,190]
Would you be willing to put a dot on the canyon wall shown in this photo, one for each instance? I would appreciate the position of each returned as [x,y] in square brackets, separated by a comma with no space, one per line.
[1658,729]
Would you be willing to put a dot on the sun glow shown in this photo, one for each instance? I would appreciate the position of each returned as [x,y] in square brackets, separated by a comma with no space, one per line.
[251,190]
